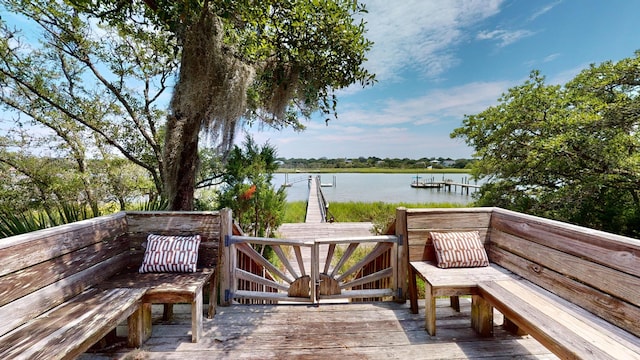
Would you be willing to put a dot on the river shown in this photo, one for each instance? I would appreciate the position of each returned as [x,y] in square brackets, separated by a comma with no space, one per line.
[388,188]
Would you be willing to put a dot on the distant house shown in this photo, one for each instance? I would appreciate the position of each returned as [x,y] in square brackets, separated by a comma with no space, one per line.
[448,162]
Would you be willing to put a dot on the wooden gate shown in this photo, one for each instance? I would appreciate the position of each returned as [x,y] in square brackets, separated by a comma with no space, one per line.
[311,271]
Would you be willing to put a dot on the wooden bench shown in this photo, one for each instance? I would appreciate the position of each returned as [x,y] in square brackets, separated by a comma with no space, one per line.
[576,290]
[175,288]
[63,289]
[47,305]
[422,258]
[449,282]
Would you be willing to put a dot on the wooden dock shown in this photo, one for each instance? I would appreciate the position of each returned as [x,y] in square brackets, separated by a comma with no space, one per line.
[315,213]
[345,331]
[449,186]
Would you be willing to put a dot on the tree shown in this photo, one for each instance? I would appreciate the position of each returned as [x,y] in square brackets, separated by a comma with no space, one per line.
[247,189]
[564,152]
[88,90]
[268,61]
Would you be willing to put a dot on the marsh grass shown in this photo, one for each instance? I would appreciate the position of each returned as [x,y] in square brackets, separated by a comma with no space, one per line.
[294,212]
[379,213]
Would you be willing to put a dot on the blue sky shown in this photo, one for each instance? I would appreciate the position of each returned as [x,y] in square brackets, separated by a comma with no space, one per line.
[436,61]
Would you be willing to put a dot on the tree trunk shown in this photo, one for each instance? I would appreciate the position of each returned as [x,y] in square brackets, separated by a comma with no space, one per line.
[210,95]
[181,161]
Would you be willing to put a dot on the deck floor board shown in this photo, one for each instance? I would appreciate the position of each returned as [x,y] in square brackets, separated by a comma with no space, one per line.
[344,331]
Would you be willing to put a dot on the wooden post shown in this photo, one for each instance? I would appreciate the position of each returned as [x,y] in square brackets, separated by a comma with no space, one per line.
[196,317]
[135,336]
[481,316]
[413,291]
[315,270]
[429,310]
[512,327]
[224,266]
[139,324]
[402,254]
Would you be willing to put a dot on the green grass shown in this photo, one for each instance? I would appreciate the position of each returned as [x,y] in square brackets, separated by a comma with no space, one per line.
[295,211]
[379,213]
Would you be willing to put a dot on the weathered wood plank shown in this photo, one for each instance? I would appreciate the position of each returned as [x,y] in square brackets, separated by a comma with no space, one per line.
[205,223]
[384,273]
[345,257]
[421,236]
[452,219]
[328,331]
[554,323]
[245,275]
[25,281]
[625,286]
[360,294]
[618,252]
[457,281]
[240,294]
[619,313]
[34,304]
[255,256]
[68,331]
[481,316]
[46,244]
[378,250]
[284,260]
[329,258]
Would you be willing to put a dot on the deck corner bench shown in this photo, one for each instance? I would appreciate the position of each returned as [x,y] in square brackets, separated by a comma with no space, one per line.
[49,306]
[169,288]
[576,290]
[65,288]
[450,283]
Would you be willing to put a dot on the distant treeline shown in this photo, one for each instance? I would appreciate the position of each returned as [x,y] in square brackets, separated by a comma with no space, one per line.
[375,162]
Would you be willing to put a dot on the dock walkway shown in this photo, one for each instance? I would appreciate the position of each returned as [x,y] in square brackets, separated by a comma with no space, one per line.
[314,205]
[315,227]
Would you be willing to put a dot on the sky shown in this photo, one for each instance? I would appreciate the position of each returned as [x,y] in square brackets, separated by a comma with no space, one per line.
[438,60]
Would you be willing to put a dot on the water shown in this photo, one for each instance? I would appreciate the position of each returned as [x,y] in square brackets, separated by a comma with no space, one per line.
[388,188]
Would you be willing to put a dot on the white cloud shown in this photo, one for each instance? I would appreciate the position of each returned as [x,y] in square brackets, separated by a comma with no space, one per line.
[419,34]
[504,37]
[543,10]
[550,58]
[433,106]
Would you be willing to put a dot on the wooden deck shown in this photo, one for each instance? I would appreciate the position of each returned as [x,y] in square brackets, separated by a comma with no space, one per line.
[342,331]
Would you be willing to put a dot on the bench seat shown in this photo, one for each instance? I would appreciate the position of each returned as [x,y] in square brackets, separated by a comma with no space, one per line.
[71,328]
[170,288]
[565,328]
[451,282]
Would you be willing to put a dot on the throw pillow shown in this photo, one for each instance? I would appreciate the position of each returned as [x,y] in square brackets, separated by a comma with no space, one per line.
[170,254]
[459,249]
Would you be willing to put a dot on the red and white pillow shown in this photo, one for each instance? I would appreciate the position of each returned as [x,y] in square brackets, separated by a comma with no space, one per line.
[459,249]
[170,254]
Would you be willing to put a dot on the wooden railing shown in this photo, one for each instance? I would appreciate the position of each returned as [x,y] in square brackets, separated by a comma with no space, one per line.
[373,276]
[324,204]
[312,271]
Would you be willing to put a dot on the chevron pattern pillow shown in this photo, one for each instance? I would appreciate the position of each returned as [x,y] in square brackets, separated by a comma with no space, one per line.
[459,249]
[170,254]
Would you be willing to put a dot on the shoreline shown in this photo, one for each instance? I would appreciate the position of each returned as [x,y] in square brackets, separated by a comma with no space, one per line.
[372,171]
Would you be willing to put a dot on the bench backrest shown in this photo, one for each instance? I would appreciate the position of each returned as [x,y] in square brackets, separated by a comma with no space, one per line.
[42,269]
[205,224]
[422,221]
[595,270]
